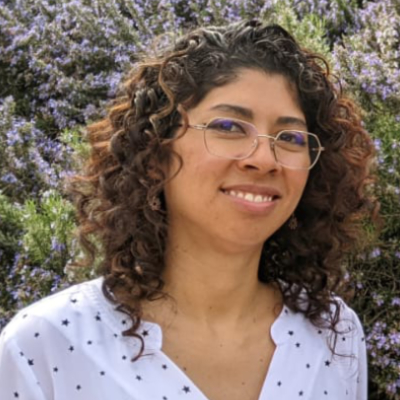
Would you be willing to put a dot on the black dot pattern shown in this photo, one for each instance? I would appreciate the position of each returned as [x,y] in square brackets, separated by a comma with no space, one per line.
[70,346]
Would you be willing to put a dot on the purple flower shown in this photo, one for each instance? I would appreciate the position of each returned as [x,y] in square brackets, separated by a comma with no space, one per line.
[375,253]
[396,301]
[56,246]
[9,178]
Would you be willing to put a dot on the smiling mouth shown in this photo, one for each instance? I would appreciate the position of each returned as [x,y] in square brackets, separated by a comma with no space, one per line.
[251,197]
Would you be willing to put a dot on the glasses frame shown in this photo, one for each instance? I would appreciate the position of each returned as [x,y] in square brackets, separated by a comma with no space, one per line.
[273,139]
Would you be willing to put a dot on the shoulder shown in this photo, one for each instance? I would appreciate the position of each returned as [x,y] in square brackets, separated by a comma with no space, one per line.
[349,334]
[56,310]
[347,337]
[347,320]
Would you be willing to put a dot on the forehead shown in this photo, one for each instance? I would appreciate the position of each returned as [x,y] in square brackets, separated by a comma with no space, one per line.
[252,95]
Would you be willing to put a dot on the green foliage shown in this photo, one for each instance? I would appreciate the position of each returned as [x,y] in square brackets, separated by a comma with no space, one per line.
[48,230]
[376,271]
[74,139]
[11,228]
[61,61]
[369,59]
[38,249]
[310,31]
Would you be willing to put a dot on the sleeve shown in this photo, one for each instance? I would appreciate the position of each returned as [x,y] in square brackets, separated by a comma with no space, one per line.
[351,351]
[17,379]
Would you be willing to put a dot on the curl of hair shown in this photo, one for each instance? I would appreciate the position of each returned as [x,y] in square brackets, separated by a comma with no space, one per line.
[132,145]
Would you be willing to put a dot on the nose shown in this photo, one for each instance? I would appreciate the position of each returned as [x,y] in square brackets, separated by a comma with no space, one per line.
[262,157]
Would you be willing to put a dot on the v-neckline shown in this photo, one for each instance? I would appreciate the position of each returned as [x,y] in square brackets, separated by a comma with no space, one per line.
[200,393]
[275,329]
[154,339]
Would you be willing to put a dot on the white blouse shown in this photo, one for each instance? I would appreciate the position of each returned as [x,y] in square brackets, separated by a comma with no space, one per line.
[69,346]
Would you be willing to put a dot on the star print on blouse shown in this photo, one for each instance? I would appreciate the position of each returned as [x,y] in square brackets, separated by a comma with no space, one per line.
[94,377]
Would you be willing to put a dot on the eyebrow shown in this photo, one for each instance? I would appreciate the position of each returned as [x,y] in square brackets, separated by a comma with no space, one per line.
[247,113]
[292,121]
[238,110]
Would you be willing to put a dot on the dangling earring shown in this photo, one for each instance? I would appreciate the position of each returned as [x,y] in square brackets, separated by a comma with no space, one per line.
[293,222]
[155,203]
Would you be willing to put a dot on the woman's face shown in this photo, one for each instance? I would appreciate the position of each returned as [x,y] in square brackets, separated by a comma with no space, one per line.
[216,201]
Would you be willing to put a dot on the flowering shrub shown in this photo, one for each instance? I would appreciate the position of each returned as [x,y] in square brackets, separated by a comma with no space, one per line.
[36,240]
[370,58]
[62,61]
[10,232]
[377,296]
[45,247]
[340,17]
[30,160]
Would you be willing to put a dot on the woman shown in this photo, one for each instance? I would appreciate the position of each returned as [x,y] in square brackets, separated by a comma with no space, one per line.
[224,188]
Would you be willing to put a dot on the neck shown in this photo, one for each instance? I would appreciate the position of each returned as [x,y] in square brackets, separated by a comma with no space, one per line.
[215,288]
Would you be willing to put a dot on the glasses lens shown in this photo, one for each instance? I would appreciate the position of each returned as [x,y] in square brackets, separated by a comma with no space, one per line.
[296,149]
[229,138]
[235,139]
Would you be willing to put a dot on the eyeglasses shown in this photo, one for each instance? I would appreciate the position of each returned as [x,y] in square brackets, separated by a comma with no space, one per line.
[236,140]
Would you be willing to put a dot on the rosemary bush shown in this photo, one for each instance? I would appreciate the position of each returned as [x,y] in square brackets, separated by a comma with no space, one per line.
[61,61]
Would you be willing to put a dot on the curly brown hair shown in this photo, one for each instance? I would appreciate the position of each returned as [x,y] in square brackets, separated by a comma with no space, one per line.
[117,195]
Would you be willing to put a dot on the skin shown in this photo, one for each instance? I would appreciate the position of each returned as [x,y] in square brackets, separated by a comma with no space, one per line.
[219,322]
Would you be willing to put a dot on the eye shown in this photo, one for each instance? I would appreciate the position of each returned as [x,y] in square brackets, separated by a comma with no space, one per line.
[223,125]
[293,138]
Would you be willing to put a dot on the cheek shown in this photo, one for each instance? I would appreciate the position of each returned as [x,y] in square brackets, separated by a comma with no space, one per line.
[297,182]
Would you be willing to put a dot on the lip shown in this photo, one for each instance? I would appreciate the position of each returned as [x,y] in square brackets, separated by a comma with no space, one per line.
[255,189]
[243,205]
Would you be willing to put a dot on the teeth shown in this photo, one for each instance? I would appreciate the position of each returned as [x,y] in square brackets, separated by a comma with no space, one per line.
[249,197]
[255,198]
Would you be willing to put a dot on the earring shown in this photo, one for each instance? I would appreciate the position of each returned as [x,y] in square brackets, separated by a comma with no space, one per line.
[155,203]
[293,222]
[138,269]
